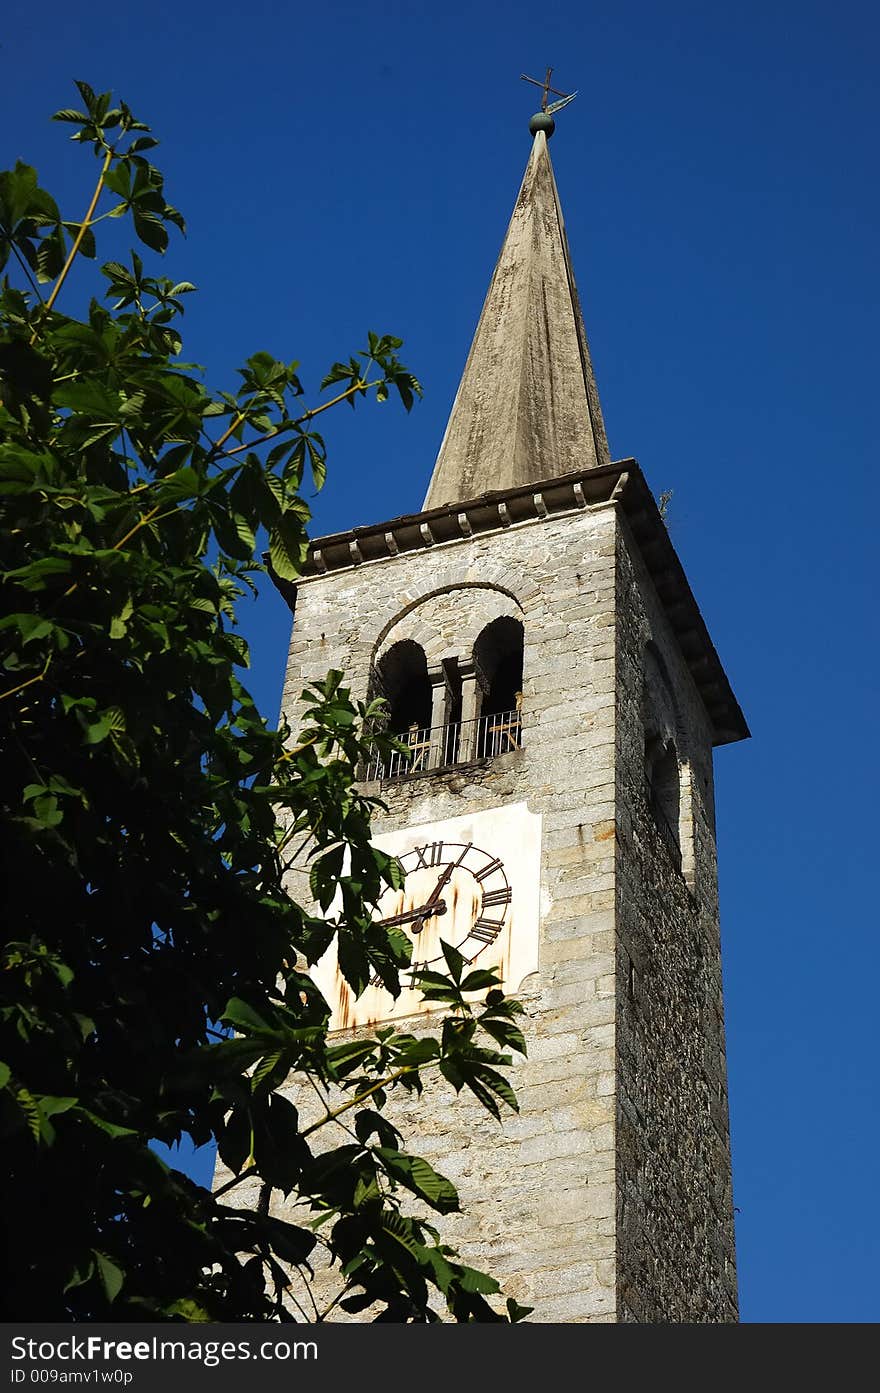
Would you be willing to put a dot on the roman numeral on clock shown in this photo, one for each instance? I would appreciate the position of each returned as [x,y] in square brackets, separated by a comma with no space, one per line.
[485,931]
[493,897]
[429,855]
[487,870]
[414,970]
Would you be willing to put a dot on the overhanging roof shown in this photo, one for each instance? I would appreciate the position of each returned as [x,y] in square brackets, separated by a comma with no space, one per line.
[622,483]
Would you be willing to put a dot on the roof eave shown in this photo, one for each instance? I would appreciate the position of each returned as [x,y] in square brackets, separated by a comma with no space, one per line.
[621,483]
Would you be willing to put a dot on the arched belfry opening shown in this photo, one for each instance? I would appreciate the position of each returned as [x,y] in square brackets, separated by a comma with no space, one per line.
[663,778]
[663,753]
[464,706]
[498,660]
[401,677]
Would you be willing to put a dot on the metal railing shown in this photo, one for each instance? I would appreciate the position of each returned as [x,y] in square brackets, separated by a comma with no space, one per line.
[438,747]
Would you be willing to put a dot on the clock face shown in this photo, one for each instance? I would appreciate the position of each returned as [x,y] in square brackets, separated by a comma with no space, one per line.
[472,882]
[454,891]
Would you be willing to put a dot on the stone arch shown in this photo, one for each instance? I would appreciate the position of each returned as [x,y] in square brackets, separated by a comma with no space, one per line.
[498,673]
[401,677]
[446,626]
[447,621]
[498,654]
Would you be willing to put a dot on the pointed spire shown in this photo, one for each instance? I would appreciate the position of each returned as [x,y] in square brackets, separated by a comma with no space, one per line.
[527,407]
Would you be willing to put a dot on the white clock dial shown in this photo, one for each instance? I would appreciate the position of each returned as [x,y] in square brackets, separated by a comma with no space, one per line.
[471,881]
[455,892]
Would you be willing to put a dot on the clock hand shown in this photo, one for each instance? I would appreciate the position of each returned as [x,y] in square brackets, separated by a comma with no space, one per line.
[441,886]
[412,914]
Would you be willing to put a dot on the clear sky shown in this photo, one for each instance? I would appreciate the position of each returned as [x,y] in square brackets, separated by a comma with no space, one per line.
[353,167]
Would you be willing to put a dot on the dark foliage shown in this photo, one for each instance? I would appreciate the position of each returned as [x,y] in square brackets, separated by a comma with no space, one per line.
[153,979]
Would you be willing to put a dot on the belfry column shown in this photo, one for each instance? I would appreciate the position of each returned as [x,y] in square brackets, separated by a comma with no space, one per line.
[440,702]
[473,689]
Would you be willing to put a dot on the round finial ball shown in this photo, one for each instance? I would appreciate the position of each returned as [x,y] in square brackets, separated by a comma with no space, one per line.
[541,121]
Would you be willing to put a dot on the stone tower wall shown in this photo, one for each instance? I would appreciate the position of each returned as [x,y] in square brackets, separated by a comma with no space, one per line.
[568,1203]
[538,1193]
[675,1211]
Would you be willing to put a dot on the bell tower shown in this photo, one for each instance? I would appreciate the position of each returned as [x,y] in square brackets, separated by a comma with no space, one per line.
[548,670]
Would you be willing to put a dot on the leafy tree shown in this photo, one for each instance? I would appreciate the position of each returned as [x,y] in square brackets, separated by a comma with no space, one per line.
[148,813]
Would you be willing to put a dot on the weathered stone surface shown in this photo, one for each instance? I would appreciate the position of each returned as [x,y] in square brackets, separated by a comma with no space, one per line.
[674,1207]
[608,1196]
[527,406]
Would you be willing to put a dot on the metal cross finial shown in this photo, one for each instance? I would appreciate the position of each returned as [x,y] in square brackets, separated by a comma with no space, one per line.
[546,89]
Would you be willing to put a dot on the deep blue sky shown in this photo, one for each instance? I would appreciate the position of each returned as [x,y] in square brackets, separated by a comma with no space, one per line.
[354,168]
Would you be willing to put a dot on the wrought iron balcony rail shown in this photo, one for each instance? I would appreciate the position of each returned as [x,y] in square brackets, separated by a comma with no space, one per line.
[438,747]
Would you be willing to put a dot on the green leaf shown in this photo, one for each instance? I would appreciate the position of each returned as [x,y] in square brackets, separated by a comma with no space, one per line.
[4,1074]
[479,980]
[402,1230]
[88,96]
[115,717]
[266,1066]
[366,1191]
[46,811]
[420,1177]
[68,114]
[150,230]
[498,1084]
[110,1275]
[94,729]
[354,1052]
[244,1018]
[515,1312]
[50,1106]
[474,1281]
[112,1129]
[30,626]
[18,188]
[90,398]
[291,1243]
[87,247]
[506,1033]
[119,181]
[288,547]
[367,1122]
[81,1274]
[28,1105]
[115,270]
[235,1143]
[245,533]
[454,961]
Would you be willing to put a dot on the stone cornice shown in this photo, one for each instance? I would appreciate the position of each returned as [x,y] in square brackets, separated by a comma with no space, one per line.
[621,484]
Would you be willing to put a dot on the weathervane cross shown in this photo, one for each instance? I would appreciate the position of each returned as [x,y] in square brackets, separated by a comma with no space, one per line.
[546,89]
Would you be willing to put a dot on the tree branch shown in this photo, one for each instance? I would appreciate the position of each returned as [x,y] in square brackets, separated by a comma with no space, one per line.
[21,686]
[236,1180]
[358,386]
[82,232]
[368,1093]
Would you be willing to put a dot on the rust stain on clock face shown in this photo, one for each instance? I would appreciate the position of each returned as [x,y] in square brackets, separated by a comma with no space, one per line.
[344,1000]
[461,905]
[483,902]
